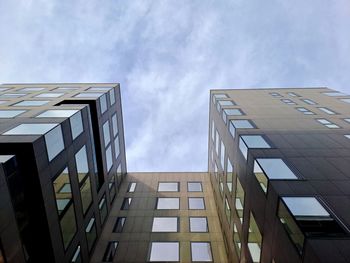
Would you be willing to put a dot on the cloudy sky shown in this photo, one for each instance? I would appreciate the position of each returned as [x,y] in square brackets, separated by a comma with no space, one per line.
[168,54]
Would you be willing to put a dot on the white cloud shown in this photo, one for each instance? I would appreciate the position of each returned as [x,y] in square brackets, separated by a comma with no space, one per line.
[168,54]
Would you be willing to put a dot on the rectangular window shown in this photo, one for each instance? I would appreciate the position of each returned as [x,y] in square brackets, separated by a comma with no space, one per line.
[254,239]
[104,89]
[196,203]
[194,187]
[31,129]
[49,95]
[31,89]
[345,100]
[10,113]
[240,124]
[91,233]
[308,101]
[217,142]
[239,200]
[115,124]
[326,110]
[103,209]
[328,124]
[201,252]
[217,96]
[131,187]
[106,134]
[229,175]
[103,103]
[93,95]
[288,101]
[335,94]
[116,147]
[111,187]
[86,196]
[76,125]
[293,94]
[168,187]
[251,141]
[165,224]
[112,96]
[222,155]
[275,95]
[119,224]
[213,131]
[81,163]
[198,224]
[110,251]
[109,160]
[226,113]
[76,257]
[126,203]
[12,95]
[31,103]
[228,211]
[168,203]
[164,252]
[305,111]
[54,142]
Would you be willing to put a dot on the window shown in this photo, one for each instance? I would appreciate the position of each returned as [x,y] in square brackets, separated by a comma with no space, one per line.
[275,95]
[57,113]
[201,252]
[293,94]
[194,187]
[302,216]
[228,211]
[213,131]
[76,257]
[198,224]
[31,129]
[305,111]
[231,112]
[217,142]
[12,95]
[240,124]
[328,124]
[66,88]
[54,142]
[239,200]
[334,94]
[347,136]
[88,95]
[345,100]
[168,203]
[219,96]
[196,203]
[222,155]
[119,224]
[164,252]
[65,207]
[110,251]
[126,203]
[165,224]
[103,103]
[85,193]
[225,103]
[308,101]
[106,134]
[31,89]
[114,124]
[254,239]
[112,96]
[288,101]
[251,141]
[81,163]
[76,125]
[3,89]
[326,110]
[103,209]
[104,89]
[91,234]
[49,95]
[131,187]
[116,147]
[229,175]
[266,169]
[168,187]
[347,120]
[31,103]
[109,161]
[10,113]
[111,187]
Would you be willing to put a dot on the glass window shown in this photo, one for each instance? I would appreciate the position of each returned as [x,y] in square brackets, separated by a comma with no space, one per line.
[219,96]
[196,203]
[194,187]
[213,131]
[104,89]
[328,124]
[308,101]
[110,251]
[293,94]
[168,203]
[201,252]
[222,155]
[239,200]
[271,169]
[305,206]
[54,142]
[67,88]
[168,187]
[88,95]
[85,192]
[164,252]
[112,96]
[76,257]
[345,100]
[131,187]
[31,129]
[239,124]
[3,89]
[334,94]
[198,224]
[228,211]
[10,113]
[91,234]
[106,134]
[115,124]
[103,103]
[81,163]
[233,112]
[251,141]
[49,95]
[326,110]
[347,120]
[254,239]
[31,89]
[57,113]
[229,175]
[119,224]
[116,147]
[111,187]
[65,207]
[12,95]
[237,240]
[103,209]
[288,101]
[217,142]
[275,95]
[76,125]
[225,103]
[31,103]
[305,111]
[347,136]
[109,161]
[126,203]
[164,224]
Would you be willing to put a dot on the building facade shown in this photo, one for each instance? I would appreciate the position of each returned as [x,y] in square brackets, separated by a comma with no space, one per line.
[279,167]
[62,159]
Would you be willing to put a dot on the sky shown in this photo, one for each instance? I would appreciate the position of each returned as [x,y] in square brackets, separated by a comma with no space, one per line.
[168,54]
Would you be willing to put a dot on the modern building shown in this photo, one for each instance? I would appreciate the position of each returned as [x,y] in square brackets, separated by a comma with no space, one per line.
[279,166]
[62,159]
[277,187]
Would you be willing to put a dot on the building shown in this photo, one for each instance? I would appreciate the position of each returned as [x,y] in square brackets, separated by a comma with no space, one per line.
[276,190]
[62,159]
[279,167]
